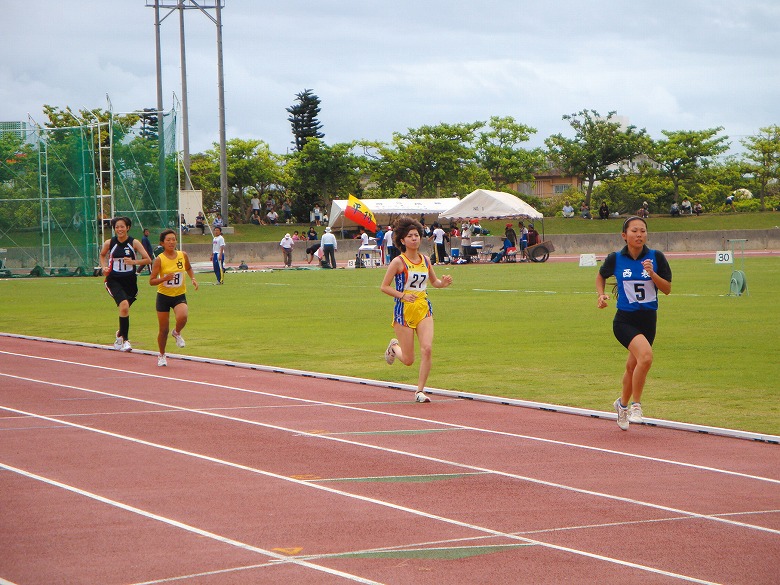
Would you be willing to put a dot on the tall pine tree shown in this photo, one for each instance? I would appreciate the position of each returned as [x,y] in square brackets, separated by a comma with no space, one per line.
[303,117]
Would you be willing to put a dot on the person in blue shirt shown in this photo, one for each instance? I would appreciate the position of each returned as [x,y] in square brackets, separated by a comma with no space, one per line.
[640,273]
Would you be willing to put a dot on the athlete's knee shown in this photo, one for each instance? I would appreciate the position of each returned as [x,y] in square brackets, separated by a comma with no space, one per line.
[426,351]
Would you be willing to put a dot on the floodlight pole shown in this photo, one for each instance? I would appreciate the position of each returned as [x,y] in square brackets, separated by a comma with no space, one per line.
[201,5]
[160,118]
[184,109]
[223,183]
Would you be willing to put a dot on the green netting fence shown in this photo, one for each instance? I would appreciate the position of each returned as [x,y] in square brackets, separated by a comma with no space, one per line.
[60,187]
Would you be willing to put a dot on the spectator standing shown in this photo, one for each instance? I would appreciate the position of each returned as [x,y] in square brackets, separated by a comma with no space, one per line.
[317,215]
[380,242]
[287,244]
[287,211]
[509,234]
[640,273]
[523,241]
[392,252]
[730,202]
[465,242]
[533,235]
[218,255]
[255,202]
[329,247]
[147,244]
[439,238]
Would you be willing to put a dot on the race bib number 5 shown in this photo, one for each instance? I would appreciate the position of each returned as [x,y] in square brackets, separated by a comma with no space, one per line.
[640,291]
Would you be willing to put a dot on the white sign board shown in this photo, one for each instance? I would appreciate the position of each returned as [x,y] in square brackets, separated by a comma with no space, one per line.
[724,257]
[587,260]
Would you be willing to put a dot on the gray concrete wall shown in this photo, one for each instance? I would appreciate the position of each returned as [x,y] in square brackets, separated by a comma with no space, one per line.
[564,244]
[251,253]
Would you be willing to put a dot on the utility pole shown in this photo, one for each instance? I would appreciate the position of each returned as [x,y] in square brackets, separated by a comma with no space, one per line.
[203,6]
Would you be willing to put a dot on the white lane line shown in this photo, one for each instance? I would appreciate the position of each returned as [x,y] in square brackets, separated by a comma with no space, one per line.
[402,453]
[310,402]
[182,525]
[347,495]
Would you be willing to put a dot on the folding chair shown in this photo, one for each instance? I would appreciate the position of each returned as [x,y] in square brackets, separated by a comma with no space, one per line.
[486,252]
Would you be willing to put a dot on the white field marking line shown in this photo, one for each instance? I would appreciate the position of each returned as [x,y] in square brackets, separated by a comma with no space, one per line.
[309,402]
[207,574]
[181,525]
[381,503]
[391,477]
[388,450]
[447,394]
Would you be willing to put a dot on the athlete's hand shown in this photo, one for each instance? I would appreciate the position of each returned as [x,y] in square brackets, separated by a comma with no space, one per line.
[648,266]
[446,280]
[602,302]
[106,270]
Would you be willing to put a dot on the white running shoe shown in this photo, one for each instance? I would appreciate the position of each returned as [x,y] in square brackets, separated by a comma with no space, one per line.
[635,413]
[421,397]
[126,346]
[179,339]
[389,353]
[622,415]
[161,361]
[118,342]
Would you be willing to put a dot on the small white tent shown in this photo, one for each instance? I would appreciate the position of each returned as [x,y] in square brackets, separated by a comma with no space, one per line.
[485,204]
[385,210]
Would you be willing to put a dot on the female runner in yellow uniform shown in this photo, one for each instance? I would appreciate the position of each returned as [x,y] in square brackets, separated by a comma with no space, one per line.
[168,275]
[406,280]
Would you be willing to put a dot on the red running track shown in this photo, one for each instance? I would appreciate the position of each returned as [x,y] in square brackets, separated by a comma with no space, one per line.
[115,471]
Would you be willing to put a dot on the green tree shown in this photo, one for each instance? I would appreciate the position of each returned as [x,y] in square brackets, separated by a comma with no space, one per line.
[303,118]
[762,159]
[320,173]
[252,167]
[498,151]
[430,161]
[684,153]
[598,149]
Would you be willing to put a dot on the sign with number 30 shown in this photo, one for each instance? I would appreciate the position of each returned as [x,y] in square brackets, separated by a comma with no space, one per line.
[724,257]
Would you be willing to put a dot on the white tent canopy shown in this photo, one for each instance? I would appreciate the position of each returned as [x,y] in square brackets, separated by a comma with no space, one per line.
[485,204]
[385,210]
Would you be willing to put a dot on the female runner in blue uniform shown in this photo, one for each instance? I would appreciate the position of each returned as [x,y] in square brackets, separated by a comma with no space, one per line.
[406,280]
[640,273]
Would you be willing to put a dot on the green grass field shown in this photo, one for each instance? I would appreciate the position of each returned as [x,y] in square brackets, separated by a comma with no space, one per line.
[527,331]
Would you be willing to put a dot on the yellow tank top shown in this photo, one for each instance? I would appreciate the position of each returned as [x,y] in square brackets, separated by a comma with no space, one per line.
[175,286]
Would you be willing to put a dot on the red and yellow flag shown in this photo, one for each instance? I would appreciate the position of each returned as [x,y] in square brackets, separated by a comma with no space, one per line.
[358,212]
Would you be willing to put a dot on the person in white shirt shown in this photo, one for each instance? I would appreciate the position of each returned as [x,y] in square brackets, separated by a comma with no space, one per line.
[363,237]
[255,201]
[389,245]
[218,255]
[329,247]
[287,244]
[438,236]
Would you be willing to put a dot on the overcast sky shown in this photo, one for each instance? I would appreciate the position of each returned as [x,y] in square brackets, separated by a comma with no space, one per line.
[386,66]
